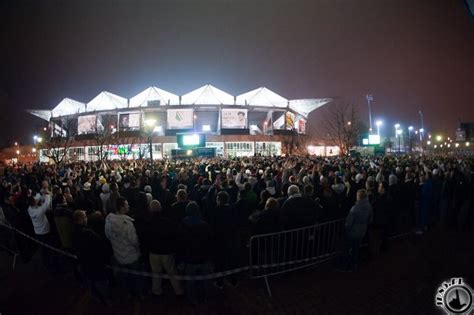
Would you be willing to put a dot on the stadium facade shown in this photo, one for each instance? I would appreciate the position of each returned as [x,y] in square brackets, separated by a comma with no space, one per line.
[256,122]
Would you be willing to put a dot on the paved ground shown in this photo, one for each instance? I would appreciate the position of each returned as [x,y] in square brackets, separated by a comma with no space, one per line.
[401,281]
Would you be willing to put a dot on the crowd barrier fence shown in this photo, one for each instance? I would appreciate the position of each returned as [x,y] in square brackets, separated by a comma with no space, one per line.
[269,254]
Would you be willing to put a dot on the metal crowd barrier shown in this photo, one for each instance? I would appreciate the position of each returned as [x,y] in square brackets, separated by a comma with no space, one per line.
[8,243]
[280,252]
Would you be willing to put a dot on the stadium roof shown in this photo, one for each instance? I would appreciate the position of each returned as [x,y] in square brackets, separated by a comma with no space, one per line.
[205,95]
[106,101]
[154,94]
[262,97]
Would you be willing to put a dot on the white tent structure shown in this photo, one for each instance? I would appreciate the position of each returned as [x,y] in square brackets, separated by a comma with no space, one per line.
[41,113]
[68,107]
[207,95]
[262,97]
[154,94]
[306,106]
[106,101]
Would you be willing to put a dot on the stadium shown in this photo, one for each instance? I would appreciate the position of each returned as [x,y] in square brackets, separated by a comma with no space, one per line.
[256,122]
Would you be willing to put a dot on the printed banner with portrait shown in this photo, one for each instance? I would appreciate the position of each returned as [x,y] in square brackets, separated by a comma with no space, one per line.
[234,118]
[86,124]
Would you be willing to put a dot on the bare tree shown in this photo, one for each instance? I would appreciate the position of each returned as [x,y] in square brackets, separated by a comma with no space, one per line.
[343,126]
[56,146]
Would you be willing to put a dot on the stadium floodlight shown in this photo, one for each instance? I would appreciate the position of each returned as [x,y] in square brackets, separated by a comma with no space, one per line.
[399,131]
[410,128]
[397,126]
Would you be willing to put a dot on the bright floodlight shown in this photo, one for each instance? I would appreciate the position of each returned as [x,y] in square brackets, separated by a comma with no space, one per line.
[410,128]
[439,138]
[35,137]
[39,139]
[150,122]
[379,123]
[397,126]
[399,131]
[422,130]
[206,127]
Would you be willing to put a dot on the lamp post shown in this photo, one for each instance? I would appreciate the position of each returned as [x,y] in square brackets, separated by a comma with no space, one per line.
[410,143]
[399,135]
[378,123]
[150,124]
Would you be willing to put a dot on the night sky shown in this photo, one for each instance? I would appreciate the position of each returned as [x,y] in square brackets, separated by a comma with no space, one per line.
[408,54]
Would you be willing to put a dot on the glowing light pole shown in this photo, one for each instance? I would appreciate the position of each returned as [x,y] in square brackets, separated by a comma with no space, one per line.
[378,123]
[150,123]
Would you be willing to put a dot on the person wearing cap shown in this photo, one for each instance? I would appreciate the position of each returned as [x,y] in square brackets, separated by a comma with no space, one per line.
[37,211]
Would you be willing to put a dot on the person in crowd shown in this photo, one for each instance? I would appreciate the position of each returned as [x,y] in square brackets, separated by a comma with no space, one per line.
[112,200]
[268,219]
[160,237]
[357,221]
[37,210]
[382,208]
[120,231]
[177,212]
[104,197]
[298,210]
[92,253]
[195,244]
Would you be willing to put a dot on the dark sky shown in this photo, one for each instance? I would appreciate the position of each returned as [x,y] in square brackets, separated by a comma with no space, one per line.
[408,54]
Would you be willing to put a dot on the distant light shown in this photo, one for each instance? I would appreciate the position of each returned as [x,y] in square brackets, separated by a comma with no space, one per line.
[428,142]
[349,123]
[416,132]
[35,137]
[439,138]
[399,131]
[440,145]
[422,130]
[449,145]
[45,128]
[112,127]
[456,145]
[158,129]
[206,127]
[17,151]
[265,123]
[445,143]
[195,116]
[150,122]
[189,152]
[435,146]
[33,150]
[39,139]
[467,144]
[429,136]
[379,123]
[16,143]
[365,141]
[397,126]
[410,128]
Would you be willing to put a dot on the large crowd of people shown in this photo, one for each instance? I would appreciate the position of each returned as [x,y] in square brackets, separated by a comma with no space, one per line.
[196,216]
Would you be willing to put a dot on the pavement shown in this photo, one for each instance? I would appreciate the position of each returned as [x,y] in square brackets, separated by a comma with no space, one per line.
[402,280]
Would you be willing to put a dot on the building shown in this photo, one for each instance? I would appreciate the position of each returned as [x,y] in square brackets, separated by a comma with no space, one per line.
[256,122]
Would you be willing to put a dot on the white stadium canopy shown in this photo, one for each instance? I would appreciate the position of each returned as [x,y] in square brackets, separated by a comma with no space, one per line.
[207,95]
[106,101]
[154,94]
[262,97]
[306,106]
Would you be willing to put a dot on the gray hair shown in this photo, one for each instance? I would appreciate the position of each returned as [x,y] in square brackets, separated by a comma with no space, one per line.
[293,189]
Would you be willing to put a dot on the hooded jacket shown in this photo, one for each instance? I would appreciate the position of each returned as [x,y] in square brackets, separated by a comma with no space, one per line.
[359,218]
[120,230]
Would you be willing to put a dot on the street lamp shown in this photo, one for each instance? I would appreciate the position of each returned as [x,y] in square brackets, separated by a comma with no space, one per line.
[150,124]
[399,135]
[439,138]
[378,123]
[410,130]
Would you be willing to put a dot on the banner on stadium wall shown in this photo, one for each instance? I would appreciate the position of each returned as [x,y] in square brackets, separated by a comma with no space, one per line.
[234,118]
[289,120]
[129,121]
[180,118]
[86,124]
[302,126]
